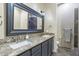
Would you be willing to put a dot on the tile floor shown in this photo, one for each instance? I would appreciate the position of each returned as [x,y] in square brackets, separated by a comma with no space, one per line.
[63,52]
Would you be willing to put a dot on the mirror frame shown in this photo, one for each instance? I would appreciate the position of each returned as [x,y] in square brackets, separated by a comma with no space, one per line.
[10,19]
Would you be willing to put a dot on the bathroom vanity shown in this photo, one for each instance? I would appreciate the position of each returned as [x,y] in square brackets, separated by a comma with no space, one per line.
[23,20]
[40,46]
[43,49]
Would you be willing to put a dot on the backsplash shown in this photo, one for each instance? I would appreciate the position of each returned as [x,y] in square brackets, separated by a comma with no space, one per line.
[16,38]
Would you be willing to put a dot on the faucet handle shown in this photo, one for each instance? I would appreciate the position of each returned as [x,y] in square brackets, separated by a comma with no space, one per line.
[27,36]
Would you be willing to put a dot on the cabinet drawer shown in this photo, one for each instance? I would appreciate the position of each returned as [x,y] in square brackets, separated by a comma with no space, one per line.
[35,49]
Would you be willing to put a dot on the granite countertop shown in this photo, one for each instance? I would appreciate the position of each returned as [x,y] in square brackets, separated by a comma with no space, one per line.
[6,50]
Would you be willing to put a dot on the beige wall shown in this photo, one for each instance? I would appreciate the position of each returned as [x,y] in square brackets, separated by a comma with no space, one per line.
[2,19]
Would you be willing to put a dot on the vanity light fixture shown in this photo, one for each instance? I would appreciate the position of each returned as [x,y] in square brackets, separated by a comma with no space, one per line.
[42,12]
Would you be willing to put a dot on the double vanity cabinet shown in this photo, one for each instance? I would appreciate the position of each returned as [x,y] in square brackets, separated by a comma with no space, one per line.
[43,49]
[29,21]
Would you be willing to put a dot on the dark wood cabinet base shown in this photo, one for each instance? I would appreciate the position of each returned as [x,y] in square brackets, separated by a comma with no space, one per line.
[43,49]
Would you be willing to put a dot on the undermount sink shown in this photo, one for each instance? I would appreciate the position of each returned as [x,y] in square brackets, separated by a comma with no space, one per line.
[20,44]
[45,35]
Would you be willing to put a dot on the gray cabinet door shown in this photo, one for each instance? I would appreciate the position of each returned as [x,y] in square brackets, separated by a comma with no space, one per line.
[45,48]
[50,46]
[36,51]
[27,53]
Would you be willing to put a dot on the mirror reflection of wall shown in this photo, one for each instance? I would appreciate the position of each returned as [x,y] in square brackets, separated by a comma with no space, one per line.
[32,22]
[23,20]
[39,23]
[20,19]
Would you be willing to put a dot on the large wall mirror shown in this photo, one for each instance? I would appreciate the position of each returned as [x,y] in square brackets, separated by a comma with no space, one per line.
[22,20]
